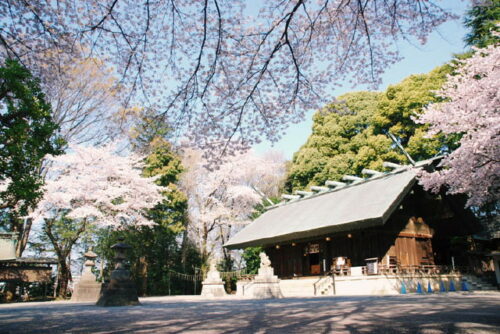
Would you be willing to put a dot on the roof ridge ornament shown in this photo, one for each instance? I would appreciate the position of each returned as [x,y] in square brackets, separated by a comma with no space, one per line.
[371,172]
[290,197]
[336,184]
[319,189]
[398,144]
[332,186]
[388,164]
[304,193]
[354,179]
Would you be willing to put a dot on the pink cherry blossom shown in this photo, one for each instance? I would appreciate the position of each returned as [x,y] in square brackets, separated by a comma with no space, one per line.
[472,110]
[221,200]
[227,73]
[96,184]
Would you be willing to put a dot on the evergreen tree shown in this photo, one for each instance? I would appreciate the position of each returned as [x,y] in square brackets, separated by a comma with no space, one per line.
[402,102]
[252,259]
[352,133]
[27,134]
[342,142]
[482,20]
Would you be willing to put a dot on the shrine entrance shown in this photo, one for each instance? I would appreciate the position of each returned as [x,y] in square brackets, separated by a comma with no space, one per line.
[314,259]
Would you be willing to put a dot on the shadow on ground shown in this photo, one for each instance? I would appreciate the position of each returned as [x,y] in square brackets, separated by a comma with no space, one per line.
[449,313]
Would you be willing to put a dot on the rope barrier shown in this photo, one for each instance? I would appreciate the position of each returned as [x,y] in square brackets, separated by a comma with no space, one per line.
[186,277]
[235,274]
[238,274]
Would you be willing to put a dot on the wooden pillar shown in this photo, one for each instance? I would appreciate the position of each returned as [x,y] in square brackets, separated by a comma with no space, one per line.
[328,254]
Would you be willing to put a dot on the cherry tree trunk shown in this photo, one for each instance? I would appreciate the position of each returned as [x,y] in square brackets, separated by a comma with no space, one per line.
[143,270]
[63,277]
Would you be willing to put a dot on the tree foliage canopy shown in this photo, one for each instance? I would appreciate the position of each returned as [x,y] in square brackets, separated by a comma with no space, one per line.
[482,20]
[222,201]
[342,142]
[87,188]
[401,102]
[27,134]
[252,259]
[166,165]
[351,134]
[85,96]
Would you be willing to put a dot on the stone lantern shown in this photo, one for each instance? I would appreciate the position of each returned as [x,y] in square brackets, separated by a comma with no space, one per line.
[87,289]
[90,256]
[120,290]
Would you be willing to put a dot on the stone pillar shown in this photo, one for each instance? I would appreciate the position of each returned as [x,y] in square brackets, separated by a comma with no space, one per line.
[213,286]
[266,284]
[121,290]
[87,289]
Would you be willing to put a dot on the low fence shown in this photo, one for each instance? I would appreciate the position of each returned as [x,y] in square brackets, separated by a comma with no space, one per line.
[192,282]
[238,274]
[396,270]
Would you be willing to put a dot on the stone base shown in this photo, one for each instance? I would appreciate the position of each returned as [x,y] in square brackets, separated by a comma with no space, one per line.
[120,291]
[266,279]
[213,290]
[242,287]
[86,292]
[263,290]
[264,285]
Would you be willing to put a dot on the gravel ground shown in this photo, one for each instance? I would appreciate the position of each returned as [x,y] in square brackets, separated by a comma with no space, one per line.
[438,313]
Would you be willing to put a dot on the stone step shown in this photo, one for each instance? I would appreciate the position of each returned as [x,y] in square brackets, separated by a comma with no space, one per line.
[376,285]
[485,287]
[297,288]
[478,283]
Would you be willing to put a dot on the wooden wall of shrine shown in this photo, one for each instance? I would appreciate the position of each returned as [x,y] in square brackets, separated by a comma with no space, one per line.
[315,257]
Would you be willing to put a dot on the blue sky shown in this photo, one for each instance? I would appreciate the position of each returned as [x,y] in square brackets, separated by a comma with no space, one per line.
[442,44]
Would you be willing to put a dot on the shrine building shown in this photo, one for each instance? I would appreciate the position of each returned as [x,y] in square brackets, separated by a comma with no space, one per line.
[386,223]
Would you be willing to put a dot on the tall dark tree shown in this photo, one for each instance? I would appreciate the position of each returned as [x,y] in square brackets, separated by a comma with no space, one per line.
[482,20]
[27,134]
[148,131]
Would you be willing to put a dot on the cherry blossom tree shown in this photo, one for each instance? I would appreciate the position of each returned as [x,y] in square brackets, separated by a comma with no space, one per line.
[227,72]
[92,187]
[221,200]
[471,110]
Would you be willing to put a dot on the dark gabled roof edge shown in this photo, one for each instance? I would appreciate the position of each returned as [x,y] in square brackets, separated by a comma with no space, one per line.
[388,213]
